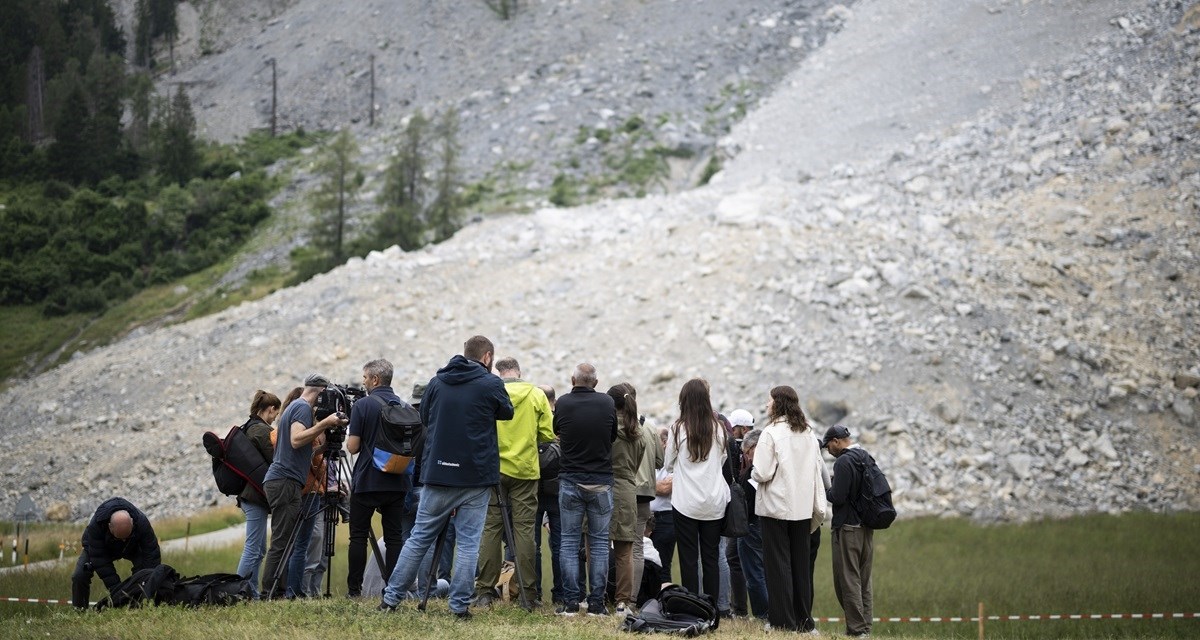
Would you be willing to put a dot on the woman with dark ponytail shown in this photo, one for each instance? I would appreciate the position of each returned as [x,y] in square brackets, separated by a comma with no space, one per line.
[264,408]
[626,458]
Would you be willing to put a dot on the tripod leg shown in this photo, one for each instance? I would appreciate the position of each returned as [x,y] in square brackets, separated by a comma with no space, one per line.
[379,559]
[431,579]
[511,541]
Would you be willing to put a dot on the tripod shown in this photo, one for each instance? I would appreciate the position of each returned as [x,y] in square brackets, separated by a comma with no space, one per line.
[333,506]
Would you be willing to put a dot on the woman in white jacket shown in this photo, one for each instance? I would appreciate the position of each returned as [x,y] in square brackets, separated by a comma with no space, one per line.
[790,504]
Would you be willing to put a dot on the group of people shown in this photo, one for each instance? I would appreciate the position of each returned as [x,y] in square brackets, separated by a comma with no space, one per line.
[622,489]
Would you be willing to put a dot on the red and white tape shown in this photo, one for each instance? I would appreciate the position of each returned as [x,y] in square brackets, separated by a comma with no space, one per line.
[1025,618]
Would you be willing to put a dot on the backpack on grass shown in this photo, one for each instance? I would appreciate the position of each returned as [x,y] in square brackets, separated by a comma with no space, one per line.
[399,438]
[155,585]
[220,589]
[675,611]
[874,504]
[236,462]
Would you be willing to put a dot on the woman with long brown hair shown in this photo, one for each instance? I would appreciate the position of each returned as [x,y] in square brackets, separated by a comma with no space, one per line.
[264,408]
[696,455]
[627,452]
[790,505]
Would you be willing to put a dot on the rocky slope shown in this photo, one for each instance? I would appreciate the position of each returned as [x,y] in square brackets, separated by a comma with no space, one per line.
[1005,309]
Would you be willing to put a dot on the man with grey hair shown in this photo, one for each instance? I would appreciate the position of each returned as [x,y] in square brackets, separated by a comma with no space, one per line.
[586,425]
[375,491]
[749,546]
[285,480]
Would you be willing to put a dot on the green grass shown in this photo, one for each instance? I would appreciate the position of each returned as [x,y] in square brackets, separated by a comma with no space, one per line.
[29,336]
[1095,564]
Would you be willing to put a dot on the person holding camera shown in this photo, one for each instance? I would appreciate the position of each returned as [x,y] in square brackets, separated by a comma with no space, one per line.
[375,491]
[285,479]
[459,467]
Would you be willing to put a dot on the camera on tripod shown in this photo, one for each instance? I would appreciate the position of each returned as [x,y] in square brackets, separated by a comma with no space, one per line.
[337,399]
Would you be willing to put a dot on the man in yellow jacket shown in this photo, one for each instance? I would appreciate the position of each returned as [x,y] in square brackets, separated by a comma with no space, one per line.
[532,423]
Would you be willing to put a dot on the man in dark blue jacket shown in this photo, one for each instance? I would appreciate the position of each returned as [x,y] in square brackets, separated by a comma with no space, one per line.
[117,530]
[460,465]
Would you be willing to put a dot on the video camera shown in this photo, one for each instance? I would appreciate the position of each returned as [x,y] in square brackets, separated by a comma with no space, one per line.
[337,399]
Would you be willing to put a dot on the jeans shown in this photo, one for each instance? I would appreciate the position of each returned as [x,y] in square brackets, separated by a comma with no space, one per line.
[310,506]
[751,553]
[555,548]
[433,513]
[390,505]
[723,570]
[573,503]
[663,538]
[314,558]
[256,544]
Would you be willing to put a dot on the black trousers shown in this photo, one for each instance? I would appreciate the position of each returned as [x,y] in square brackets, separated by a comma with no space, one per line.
[81,579]
[814,544]
[737,579]
[699,543]
[390,505]
[786,554]
[663,538]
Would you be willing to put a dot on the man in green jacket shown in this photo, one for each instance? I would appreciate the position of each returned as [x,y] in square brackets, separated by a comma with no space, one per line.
[532,423]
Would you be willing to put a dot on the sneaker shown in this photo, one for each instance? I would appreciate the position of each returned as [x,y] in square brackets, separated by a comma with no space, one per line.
[567,609]
[463,615]
[597,610]
[385,607]
[622,608]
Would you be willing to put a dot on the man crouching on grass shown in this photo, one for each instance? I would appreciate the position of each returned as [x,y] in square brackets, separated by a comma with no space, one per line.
[460,465]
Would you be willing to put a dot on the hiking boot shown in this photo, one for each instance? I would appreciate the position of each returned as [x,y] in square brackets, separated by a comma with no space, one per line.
[567,609]
[598,610]
[386,608]
[485,600]
[463,615]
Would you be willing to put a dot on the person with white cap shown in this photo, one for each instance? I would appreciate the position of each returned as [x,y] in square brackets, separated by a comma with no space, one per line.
[285,479]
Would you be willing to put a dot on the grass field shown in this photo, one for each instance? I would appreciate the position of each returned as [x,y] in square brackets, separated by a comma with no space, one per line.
[1134,563]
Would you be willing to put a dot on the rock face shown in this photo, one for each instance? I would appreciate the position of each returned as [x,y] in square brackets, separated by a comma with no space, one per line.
[1012,337]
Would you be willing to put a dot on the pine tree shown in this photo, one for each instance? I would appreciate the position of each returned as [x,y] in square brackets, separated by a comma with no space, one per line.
[403,195]
[445,213]
[341,179]
[178,159]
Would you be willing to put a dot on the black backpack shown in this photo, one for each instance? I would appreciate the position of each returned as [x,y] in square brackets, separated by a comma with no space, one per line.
[676,611]
[874,504]
[399,438]
[219,589]
[236,462]
[155,585]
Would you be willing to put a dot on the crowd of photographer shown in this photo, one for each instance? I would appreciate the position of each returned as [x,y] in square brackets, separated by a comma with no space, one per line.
[475,459]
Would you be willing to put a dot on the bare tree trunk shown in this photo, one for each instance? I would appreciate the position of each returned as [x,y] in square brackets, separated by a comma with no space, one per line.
[36,95]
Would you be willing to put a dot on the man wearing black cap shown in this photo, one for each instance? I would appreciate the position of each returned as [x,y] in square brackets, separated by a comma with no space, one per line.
[285,480]
[853,544]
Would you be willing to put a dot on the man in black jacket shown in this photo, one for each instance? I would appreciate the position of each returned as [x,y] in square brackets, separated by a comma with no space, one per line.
[586,425]
[853,544]
[459,466]
[117,530]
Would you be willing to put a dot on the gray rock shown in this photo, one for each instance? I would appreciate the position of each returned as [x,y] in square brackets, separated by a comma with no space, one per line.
[827,412]
[1186,379]
[843,368]
[1021,465]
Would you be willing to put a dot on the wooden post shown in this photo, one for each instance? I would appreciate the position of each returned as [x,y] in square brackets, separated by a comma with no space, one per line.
[371,107]
[187,537]
[981,620]
[274,94]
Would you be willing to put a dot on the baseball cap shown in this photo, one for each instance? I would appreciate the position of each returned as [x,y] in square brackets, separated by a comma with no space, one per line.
[316,380]
[417,393]
[833,433]
[741,418]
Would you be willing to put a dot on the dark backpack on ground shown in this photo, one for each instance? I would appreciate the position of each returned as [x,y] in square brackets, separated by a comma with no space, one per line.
[236,462]
[145,587]
[219,589]
[874,504]
[676,611]
[399,438]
